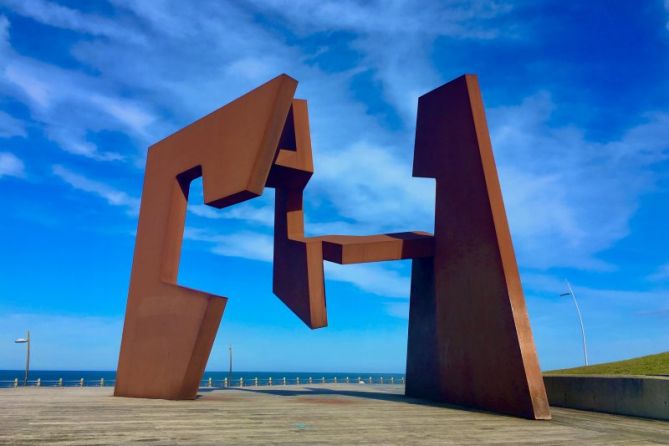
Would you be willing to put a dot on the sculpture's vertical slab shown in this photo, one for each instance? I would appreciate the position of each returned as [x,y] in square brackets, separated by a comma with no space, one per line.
[472,326]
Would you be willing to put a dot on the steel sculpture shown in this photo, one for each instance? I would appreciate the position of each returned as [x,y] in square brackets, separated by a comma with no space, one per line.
[470,341]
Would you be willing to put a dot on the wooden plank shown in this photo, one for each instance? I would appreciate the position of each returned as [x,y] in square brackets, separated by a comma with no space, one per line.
[330,414]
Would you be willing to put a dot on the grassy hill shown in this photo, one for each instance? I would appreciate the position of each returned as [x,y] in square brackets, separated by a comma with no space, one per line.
[645,365]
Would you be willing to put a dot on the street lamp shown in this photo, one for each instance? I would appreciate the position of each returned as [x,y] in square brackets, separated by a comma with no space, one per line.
[570,292]
[26,341]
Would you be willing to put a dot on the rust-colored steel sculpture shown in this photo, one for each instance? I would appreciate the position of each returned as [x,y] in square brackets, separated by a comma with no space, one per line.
[169,330]
[470,341]
[468,324]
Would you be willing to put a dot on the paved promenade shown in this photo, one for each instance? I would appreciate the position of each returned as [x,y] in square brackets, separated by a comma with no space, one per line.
[331,414]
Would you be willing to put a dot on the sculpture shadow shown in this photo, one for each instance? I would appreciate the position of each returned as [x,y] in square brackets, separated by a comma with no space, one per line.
[381,396]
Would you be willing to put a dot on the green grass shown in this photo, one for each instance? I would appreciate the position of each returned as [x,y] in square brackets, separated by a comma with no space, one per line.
[645,365]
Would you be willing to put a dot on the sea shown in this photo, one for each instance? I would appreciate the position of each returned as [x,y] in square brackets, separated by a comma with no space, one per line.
[77,378]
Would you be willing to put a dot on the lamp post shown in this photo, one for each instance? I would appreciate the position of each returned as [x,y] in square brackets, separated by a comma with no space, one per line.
[570,292]
[26,341]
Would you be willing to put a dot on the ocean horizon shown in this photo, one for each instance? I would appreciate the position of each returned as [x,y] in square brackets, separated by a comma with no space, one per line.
[73,378]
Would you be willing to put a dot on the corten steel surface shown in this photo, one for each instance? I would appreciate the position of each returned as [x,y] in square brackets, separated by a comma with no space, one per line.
[169,330]
[470,341]
[468,324]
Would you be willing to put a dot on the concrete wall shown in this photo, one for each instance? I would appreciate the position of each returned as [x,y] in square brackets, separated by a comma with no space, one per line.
[640,396]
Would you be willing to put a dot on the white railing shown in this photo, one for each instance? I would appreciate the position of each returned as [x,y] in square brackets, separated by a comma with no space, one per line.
[209,382]
[283,381]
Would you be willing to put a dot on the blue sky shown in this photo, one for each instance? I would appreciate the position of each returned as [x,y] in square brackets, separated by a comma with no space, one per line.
[578,106]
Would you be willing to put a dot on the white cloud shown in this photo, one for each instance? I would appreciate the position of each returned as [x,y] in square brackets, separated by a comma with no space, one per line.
[661,274]
[244,211]
[247,245]
[408,28]
[109,194]
[569,198]
[35,89]
[625,300]
[73,140]
[11,165]
[370,277]
[374,189]
[192,60]
[68,103]
[400,310]
[10,126]
[188,61]
[251,68]
[60,16]
[131,115]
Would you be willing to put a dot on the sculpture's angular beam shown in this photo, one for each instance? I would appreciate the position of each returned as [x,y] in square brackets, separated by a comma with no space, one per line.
[347,249]
[169,329]
[298,261]
[468,324]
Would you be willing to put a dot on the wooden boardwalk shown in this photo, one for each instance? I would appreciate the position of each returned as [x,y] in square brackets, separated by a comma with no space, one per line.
[330,414]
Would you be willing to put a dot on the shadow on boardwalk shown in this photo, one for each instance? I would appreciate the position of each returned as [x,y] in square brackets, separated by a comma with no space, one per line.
[357,393]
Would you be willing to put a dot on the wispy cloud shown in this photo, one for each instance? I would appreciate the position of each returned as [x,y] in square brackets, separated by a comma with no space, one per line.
[373,188]
[186,62]
[69,104]
[11,165]
[373,278]
[409,28]
[398,309]
[10,126]
[112,196]
[247,245]
[661,274]
[570,198]
[598,302]
[60,16]
[244,211]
